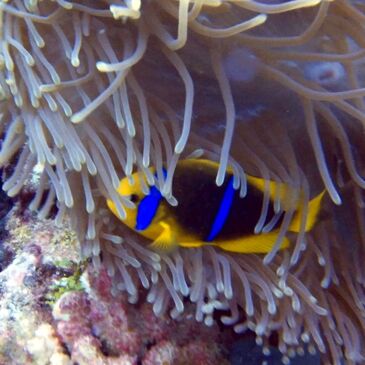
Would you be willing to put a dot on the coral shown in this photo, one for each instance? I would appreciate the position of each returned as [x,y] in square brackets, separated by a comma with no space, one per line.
[45,348]
[53,311]
[163,353]
[65,284]
[25,335]
[112,326]
[87,351]
[194,353]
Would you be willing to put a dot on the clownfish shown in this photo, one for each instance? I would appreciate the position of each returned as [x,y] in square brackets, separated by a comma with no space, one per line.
[207,214]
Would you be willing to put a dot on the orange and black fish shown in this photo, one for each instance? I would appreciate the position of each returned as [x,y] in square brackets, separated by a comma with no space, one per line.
[207,214]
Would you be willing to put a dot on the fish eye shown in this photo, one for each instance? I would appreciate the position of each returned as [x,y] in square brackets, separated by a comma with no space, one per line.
[134,198]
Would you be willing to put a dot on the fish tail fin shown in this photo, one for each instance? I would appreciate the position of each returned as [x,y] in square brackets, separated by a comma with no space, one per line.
[314,206]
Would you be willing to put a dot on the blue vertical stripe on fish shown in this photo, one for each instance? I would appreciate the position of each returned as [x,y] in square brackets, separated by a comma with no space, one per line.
[148,208]
[223,212]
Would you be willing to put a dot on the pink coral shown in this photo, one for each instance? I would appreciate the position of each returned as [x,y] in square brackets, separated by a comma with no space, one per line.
[162,354]
[87,351]
[194,353]
[113,327]
[27,334]
[89,326]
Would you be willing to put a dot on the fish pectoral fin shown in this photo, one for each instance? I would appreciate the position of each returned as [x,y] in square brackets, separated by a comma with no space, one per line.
[166,241]
[260,243]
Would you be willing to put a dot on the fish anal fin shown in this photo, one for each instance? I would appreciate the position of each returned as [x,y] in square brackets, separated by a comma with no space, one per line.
[192,244]
[260,243]
[314,207]
[166,241]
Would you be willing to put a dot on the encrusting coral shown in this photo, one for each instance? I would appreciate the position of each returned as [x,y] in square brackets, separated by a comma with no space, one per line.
[50,315]
[109,325]
[93,91]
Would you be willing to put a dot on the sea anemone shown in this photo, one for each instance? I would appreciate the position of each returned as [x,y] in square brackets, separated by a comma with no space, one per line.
[93,91]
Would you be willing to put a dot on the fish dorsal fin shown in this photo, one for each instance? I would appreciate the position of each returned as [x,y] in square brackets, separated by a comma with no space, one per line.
[208,164]
[288,196]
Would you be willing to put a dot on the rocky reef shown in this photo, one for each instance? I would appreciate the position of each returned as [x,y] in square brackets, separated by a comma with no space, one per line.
[57,310]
